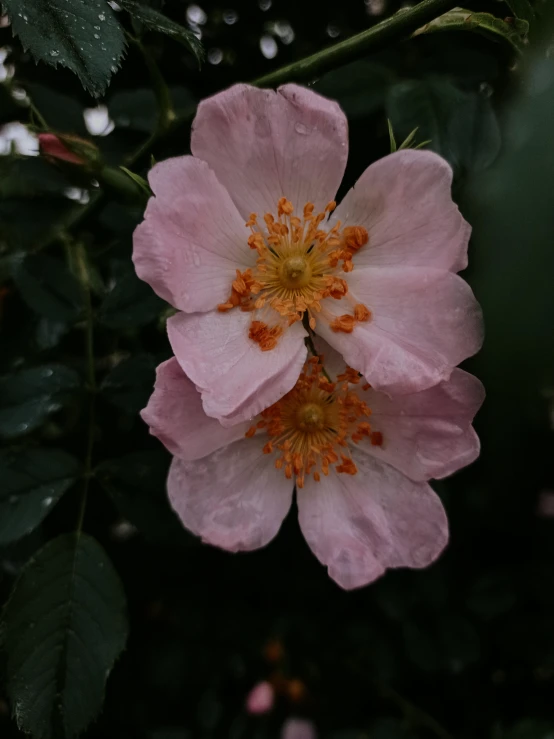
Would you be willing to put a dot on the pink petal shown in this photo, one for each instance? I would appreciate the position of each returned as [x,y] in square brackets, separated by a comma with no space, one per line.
[404,202]
[236,379]
[192,239]
[260,699]
[359,525]
[234,499]
[297,728]
[428,434]
[175,415]
[264,145]
[424,322]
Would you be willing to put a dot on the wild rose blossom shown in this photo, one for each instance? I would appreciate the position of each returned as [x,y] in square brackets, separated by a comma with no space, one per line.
[244,239]
[360,461]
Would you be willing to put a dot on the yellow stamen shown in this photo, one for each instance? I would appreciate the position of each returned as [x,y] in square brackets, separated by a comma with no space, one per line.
[299,264]
[312,426]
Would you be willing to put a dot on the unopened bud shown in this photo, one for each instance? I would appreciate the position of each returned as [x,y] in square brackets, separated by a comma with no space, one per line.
[66,148]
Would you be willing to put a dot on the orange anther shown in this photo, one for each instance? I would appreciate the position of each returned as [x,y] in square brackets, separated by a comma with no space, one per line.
[284,206]
[344,323]
[355,237]
[376,438]
[361,313]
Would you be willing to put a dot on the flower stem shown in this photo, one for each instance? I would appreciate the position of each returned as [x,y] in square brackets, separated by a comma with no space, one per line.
[82,274]
[398,26]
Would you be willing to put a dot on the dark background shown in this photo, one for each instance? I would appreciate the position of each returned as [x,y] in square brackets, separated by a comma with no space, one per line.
[464,649]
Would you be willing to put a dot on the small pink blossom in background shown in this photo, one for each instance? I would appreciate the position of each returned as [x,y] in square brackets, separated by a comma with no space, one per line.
[375,277]
[297,728]
[52,146]
[545,504]
[260,699]
[364,504]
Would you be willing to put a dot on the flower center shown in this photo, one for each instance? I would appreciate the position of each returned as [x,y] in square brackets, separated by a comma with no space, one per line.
[312,427]
[295,272]
[298,266]
[310,417]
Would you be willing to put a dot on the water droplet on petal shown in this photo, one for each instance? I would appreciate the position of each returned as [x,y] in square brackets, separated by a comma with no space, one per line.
[301,128]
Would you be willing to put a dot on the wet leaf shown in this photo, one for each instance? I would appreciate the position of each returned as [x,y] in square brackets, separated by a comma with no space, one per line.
[65,626]
[33,480]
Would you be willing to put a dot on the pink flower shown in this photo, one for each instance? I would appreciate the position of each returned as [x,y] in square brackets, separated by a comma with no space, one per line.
[51,145]
[297,728]
[375,277]
[360,461]
[260,699]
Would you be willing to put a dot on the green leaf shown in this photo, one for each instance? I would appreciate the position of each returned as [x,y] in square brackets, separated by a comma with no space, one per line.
[62,112]
[27,223]
[486,24]
[360,88]
[83,35]
[49,333]
[129,385]
[137,485]
[130,304]
[30,176]
[530,728]
[461,126]
[48,287]
[156,21]
[522,9]
[28,397]
[137,110]
[33,481]
[65,626]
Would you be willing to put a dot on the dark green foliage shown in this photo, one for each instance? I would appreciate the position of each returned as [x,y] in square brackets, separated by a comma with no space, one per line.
[136,483]
[29,396]
[129,304]
[461,126]
[129,384]
[33,481]
[64,627]
[83,35]
[153,20]
[48,287]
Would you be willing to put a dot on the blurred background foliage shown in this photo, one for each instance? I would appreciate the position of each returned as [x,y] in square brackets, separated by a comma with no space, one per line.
[464,649]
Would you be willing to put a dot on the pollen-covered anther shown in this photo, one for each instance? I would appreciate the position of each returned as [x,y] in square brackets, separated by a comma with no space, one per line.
[361,313]
[265,336]
[312,426]
[376,438]
[355,237]
[296,268]
[344,324]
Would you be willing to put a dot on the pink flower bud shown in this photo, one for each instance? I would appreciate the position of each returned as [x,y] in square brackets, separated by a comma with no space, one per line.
[52,146]
[260,699]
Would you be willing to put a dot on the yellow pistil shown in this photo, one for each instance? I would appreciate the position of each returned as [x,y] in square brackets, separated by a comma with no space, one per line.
[311,428]
[298,266]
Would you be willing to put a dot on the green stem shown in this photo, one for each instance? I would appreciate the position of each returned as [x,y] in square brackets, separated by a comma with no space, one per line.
[413,714]
[91,381]
[398,26]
